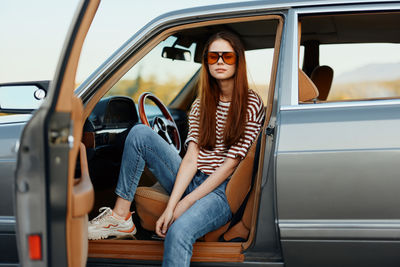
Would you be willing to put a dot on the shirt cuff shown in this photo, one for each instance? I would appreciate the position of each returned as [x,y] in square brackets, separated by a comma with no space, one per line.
[190,138]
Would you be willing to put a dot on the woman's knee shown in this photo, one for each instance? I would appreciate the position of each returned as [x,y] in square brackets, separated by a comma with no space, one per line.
[140,130]
[138,134]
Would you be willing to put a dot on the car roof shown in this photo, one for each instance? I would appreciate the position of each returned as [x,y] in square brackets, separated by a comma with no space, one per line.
[273,4]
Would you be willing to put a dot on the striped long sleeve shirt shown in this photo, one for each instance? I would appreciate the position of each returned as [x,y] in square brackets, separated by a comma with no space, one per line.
[209,160]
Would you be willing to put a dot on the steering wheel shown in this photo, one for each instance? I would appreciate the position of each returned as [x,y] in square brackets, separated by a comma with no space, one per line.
[165,127]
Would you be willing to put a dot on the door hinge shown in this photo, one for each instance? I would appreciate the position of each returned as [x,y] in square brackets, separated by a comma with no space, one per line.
[61,131]
[61,136]
[270,131]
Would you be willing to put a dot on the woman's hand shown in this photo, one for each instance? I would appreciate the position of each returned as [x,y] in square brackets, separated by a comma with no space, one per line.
[169,216]
[187,170]
[181,207]
[165,220]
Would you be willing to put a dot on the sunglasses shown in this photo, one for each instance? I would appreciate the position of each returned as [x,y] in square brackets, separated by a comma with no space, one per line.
[228,57]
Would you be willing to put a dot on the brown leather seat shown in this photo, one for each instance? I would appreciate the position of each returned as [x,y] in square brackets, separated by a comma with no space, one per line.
[322,77]
[150,204]
[307,89]
[151,201]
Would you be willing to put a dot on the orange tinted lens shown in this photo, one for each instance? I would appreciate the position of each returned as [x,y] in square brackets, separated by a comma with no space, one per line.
[212,57]
[229,58]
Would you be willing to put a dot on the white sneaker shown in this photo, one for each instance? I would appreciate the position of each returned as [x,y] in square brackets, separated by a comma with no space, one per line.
[105,225]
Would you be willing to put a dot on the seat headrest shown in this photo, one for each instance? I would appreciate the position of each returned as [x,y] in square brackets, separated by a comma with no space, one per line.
[322,77]
[307,89]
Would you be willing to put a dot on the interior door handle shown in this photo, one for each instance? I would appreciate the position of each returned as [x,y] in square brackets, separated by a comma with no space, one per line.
[83,193]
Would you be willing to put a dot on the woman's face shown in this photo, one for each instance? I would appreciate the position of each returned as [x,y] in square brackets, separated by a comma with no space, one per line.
[220,70]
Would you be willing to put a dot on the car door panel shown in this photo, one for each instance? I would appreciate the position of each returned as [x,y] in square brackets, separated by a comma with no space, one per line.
[9,136]
[337,179]
[80,195]
[49,150]
[82,198]
[29,177]
[341,158]
[82,187]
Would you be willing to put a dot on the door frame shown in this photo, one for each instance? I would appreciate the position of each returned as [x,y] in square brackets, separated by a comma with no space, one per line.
[46,161]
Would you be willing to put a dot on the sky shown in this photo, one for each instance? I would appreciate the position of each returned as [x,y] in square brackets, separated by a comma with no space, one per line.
[33,32]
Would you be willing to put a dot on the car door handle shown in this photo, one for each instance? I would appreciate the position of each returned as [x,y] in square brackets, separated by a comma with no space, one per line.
[83,193]
[16,147]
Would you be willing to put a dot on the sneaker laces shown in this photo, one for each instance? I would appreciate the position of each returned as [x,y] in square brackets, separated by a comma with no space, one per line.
[105,212]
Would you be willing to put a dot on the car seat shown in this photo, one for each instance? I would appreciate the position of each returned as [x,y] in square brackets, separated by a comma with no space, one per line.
[322,77]
[151,201]
[308,92]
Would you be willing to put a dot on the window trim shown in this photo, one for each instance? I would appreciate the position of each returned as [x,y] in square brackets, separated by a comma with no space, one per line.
[329,105]
[289,97]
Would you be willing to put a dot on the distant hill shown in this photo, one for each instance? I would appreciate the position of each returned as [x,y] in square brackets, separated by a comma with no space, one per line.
[372,72]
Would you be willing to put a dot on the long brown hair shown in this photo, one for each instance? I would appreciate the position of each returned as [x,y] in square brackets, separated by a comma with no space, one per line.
[210,92]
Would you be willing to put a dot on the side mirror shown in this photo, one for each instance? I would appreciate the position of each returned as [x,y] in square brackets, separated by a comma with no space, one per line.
[176,53]
[23,97]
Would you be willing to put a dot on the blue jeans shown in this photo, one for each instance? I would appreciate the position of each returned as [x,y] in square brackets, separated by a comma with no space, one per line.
[145,147]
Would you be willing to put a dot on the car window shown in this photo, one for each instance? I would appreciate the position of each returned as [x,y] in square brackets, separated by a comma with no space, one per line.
[163,77]
[259,64]
[166,76]
[363,71]
[361,51]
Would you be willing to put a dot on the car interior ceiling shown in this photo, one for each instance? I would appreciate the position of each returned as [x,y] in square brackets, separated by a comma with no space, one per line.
[105,153]
[355,28]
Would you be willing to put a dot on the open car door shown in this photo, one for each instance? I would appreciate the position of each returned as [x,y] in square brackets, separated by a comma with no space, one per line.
[53,196]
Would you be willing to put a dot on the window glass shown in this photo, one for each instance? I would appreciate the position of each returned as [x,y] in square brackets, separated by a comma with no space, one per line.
[163,77]
[166,77]
[361,49]
[259,64]
[362,71]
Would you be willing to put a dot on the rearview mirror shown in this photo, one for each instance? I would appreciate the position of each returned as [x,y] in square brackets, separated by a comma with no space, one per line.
[21,97]
[176,53]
